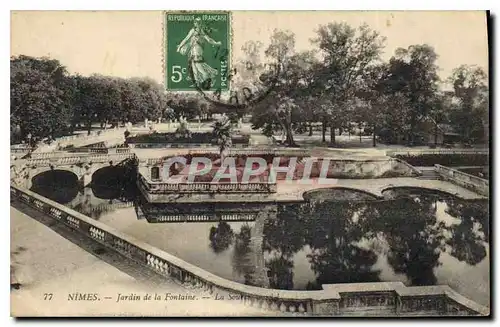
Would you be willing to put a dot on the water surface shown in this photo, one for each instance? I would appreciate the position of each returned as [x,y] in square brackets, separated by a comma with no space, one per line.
[416,237]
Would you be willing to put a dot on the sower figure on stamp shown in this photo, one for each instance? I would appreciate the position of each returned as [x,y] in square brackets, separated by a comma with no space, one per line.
[192,46]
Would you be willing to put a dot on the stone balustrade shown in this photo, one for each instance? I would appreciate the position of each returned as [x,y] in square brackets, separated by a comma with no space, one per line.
[106,206]
[277,152]
[103,150]
[92,135]
[193,217]
[177,145]
[20,149]
[63,141]
[416,152]
[76,159]
[468,181]
[162,187]
[331,300]
[79,152]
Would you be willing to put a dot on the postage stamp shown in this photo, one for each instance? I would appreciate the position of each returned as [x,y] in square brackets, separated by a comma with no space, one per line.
[197,50]
[249,164]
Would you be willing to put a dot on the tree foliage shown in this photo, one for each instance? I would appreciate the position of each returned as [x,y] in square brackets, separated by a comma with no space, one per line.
[40,92]
[47,101]
[469,114]
[340,82]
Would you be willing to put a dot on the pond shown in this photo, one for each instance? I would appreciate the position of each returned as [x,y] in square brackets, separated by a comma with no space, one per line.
[416,237]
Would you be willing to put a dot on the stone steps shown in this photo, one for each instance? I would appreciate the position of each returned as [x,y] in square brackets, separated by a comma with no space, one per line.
[428,173]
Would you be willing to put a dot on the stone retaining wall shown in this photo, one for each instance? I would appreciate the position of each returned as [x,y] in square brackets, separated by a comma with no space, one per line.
[331,300]
[468,181]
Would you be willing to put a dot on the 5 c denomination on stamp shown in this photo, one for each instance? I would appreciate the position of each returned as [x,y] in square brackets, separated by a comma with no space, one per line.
[197,50]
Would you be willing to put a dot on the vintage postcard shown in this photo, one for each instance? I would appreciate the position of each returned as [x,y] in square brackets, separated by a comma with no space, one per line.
[249,164]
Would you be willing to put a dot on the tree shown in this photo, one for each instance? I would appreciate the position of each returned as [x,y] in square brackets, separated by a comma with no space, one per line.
[97,100]
[130,101]
[395,117]
[373,100]
[221,237]
[413,73]
[280,107]
[107,96]
[188,105]
[470,115]
[40,101]
[153,100]
[222,134]
[348,55]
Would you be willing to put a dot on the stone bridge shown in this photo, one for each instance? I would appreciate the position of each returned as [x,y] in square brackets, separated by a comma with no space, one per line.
[82,165]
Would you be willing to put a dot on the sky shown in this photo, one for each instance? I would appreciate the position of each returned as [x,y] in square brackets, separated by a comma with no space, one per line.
[130,43]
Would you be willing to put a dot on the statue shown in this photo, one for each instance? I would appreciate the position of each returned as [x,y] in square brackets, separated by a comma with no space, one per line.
[192,46]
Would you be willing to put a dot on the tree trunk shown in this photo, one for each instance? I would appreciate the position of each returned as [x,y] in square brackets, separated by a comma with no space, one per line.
[374,139]
[435,134]
[332,134]
[289,137]
[323,131]
[310,129]
[89,126]
[411,132]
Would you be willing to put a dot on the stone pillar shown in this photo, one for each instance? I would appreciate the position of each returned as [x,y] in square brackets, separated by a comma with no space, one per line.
[259,277]
[86,179]
[87,192]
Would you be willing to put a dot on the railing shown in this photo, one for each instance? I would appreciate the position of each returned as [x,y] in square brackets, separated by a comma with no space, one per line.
[82,152]
[170,145]
[441,299]
[67,140]
[75,159]
[20,149]
[276,152]
[102,150]
[193,217]
[468,181]
[95,136]
[107,206]
[416,152]
[91,135]
[291,152]
[163,188]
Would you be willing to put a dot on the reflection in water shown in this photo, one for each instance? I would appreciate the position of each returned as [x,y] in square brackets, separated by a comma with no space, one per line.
[221,237]
[416,237]
[111,188]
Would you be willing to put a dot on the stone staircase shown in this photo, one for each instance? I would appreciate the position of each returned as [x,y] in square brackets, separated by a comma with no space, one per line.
[428,173]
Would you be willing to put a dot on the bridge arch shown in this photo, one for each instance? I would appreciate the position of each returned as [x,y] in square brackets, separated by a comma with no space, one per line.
[60,185]
[34,172]
[111,181]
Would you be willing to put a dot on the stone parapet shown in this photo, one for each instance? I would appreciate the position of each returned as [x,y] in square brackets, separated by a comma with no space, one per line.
[330,301]
[468,181]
